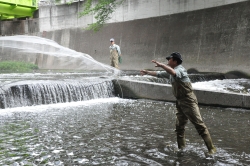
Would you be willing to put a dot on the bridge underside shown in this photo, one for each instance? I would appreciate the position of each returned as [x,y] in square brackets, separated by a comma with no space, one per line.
[11,9]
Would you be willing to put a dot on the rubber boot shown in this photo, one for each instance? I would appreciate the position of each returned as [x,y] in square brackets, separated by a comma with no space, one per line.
[181,142]
[208,141]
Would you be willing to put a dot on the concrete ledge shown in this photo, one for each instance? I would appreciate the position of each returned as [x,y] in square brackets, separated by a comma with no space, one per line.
[142,89]
[156,91]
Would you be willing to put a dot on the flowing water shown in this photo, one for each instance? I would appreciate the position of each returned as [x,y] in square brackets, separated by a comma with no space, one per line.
[75,118]
[114,131]
[18,90]
[213,82]
[227,85]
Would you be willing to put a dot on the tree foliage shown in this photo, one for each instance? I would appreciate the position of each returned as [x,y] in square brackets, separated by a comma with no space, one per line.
[101,9]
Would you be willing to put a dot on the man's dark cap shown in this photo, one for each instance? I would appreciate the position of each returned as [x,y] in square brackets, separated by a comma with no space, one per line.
[174,55]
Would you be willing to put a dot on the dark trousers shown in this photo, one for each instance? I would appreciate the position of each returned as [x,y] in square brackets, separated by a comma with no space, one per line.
[189,110]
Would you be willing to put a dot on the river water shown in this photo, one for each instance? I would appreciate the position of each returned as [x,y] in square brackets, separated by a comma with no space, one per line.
[115,131]
[104,130]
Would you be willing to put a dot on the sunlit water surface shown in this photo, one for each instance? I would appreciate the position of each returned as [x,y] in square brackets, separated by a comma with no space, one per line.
[117,131]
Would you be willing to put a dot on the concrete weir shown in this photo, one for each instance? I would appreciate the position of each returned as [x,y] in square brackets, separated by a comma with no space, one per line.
[156,91]
[212,36]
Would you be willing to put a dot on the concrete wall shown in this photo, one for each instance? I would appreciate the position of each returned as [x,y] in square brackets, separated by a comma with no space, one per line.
[213,35]
[66,16]
[140,9]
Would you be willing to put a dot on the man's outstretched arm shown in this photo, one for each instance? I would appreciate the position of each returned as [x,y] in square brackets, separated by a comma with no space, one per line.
[146,72]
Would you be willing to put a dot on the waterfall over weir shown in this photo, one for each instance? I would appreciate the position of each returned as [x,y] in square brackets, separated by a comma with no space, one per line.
[82,84]
[37,92]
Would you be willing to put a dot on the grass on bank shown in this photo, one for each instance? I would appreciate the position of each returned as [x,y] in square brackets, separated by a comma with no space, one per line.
[17,67]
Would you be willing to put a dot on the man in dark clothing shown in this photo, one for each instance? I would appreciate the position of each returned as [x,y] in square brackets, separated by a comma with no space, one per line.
[186,101]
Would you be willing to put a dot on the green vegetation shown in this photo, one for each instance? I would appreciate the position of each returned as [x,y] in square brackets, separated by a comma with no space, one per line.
[102,9]
[14,66]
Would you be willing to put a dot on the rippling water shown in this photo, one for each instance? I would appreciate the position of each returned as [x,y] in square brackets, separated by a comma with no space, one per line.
[117,131]
[210,82]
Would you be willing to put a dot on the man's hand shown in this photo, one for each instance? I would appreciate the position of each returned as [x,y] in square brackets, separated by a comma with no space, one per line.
[157,63]
[144,72]
[167,68]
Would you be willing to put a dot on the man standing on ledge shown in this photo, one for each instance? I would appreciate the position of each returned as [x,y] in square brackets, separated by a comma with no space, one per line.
[115,52]
[186,101]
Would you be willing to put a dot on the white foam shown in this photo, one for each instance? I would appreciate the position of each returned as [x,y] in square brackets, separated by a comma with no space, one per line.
[222,85]
[41,108]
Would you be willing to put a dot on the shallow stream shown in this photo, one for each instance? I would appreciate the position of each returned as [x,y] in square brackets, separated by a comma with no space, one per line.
[116,131]
[103,130]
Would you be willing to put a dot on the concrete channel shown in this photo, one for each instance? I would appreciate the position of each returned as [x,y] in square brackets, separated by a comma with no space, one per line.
[212,37]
